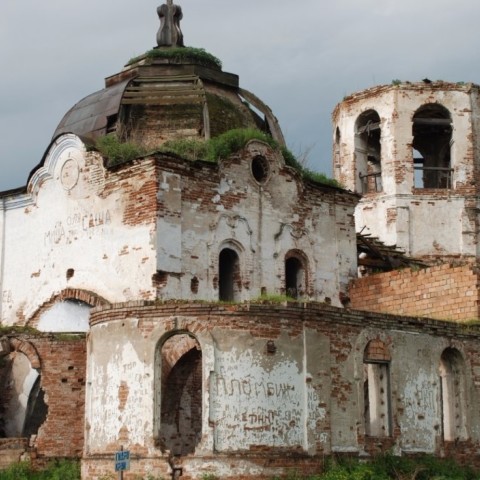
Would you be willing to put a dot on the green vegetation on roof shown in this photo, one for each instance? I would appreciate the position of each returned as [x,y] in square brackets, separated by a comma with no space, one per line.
[218,148]
[18,330]
[181,54]
[117,152]
[224,145]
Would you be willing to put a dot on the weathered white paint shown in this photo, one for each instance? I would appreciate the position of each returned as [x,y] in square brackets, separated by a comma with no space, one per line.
[422,415]
[251,405]
[68,316]
[73,208]
[67,224]
[421,223]
[122,367]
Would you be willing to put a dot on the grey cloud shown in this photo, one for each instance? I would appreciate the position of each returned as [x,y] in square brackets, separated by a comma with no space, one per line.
[301,58]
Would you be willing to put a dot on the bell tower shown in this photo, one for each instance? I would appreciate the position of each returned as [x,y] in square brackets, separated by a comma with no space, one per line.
[411,150]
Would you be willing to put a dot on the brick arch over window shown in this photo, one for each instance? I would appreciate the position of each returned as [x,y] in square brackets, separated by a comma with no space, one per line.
[28,350]
[90,298]
[376,389]
[296,273]
[178,393]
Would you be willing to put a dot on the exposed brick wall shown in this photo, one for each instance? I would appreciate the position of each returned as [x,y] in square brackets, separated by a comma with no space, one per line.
[63,380]
[445,292]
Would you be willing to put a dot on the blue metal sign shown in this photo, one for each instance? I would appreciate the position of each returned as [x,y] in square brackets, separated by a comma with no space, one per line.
[122,460]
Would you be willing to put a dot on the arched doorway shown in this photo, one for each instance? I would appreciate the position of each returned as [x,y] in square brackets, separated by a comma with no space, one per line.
[179,360]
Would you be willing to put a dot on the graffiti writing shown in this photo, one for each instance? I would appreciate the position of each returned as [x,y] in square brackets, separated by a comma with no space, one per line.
[251,388]
[76,224]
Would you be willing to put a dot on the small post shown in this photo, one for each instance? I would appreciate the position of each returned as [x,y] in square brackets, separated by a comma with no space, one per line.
[120,473]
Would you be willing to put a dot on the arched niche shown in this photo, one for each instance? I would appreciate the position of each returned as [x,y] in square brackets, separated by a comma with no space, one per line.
[376,389]
[178,394]
[453,394]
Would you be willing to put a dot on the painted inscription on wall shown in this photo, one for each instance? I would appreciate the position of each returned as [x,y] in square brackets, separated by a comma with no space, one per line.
[77,225]
[252,405]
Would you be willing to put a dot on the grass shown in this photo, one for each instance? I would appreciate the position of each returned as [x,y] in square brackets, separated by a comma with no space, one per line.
[118,152]
[18,330]
[56,470]
[182,54]
[384,467]
[273,299]
[224,145]
[389,467]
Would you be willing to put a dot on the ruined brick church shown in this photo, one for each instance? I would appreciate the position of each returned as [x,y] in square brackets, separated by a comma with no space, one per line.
[137,295]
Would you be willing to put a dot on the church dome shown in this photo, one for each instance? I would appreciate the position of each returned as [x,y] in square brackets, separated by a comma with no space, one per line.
[171,92]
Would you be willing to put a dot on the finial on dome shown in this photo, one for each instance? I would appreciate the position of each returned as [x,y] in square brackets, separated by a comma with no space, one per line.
[169,33]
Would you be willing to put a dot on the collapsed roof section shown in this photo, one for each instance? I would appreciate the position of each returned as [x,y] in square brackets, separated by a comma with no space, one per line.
[158,98]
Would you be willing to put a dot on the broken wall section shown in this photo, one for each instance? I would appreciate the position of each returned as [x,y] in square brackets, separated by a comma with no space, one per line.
[445,292]
[53,422]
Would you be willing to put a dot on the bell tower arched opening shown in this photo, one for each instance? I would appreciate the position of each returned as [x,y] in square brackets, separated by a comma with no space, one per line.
[432,138]
[368,152]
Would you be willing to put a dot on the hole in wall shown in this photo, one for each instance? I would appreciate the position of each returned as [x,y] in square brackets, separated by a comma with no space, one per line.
[260,169]
[194,282]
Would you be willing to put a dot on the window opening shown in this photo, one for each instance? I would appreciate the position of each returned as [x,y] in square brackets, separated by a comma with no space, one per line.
[229,276]
[338,138]
[376,390]
[295,282]
[22,406]
[432,140]
[452,383]
[368,152]
[181,395]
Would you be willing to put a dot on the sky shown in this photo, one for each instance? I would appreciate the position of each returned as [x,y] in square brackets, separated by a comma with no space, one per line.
[300,57]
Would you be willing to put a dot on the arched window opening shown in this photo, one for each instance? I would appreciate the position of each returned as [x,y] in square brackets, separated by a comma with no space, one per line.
[368,152]
[230,283]
[432,139]
[22,406]
[180,395]
[295,278]
[452,375]
[338,139]
[376,390]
